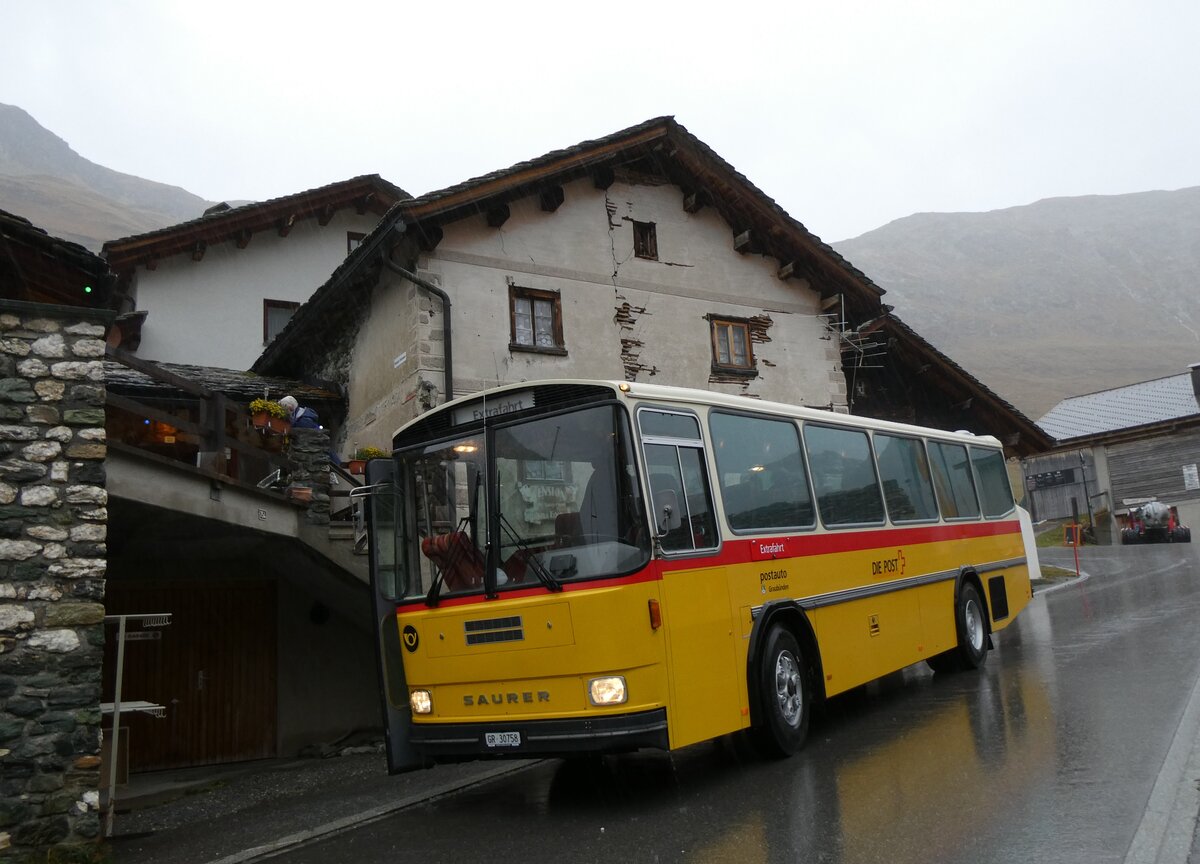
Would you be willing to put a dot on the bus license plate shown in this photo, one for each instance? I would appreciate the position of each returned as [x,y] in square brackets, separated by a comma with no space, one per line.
[502,739]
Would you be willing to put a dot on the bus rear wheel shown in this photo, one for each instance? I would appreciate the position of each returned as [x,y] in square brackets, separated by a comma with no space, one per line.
[970,623]
[785,696]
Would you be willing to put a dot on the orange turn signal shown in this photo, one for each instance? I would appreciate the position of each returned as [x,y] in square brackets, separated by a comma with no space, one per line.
[655,615]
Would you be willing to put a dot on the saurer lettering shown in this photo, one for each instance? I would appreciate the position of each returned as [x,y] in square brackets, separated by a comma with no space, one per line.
[527,697]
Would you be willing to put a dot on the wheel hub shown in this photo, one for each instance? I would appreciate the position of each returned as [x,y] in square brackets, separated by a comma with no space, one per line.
[788,691]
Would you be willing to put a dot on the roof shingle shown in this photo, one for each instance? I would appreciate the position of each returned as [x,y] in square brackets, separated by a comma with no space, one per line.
[1141,404]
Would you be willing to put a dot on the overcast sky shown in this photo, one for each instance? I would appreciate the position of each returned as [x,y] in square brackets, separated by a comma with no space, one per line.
[849,114]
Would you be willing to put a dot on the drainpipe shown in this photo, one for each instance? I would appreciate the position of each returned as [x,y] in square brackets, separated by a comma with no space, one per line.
[447,346]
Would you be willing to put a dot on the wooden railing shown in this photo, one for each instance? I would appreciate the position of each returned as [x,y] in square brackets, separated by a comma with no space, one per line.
[193,425]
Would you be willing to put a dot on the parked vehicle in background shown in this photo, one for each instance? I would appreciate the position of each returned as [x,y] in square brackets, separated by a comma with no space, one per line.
[1154,522]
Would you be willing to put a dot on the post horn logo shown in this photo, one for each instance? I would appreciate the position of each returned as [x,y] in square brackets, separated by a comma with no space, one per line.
[409,635]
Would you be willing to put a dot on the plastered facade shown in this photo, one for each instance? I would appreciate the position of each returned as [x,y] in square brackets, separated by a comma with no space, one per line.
[623,317]
[210,312]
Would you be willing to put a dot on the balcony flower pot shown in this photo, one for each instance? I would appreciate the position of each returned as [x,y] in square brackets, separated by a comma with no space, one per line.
[300,493]
[269,416]
[358,464]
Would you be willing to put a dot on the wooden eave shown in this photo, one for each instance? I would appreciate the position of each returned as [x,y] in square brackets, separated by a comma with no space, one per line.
[1130,433]
[960,385]
[239,224]
[478,197]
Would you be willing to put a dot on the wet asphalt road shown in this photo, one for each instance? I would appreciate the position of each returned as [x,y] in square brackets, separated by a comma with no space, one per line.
[1049,754]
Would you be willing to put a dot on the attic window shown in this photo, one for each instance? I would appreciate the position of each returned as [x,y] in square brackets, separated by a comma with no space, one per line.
[645,240]
[276,314]
[354,240]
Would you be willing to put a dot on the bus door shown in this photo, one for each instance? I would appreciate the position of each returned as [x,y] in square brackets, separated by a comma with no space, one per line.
[385,522]
[705,684]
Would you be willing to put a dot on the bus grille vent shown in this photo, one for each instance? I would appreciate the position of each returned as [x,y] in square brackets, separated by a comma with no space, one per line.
[489,630]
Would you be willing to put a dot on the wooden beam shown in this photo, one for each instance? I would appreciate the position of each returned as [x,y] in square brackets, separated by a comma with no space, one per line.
[364,203]
[152,263]
[198,250]
[693,202]
[428,236]
[497,216]
[829,302]
[787,271]
[741,242]
[285,224]
[325,214]
[603,177]
[551,198]
[242,238]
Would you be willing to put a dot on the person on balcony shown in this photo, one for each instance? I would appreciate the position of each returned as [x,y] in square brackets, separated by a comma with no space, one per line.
[302,418]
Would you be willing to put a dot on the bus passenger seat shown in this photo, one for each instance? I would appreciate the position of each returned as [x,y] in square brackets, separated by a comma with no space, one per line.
[458,559]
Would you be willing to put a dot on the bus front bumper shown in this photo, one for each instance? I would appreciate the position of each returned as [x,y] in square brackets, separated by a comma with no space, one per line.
[446,742]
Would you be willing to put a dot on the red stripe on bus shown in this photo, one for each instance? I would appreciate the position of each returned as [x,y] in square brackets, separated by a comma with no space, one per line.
[741,551]
[805,545]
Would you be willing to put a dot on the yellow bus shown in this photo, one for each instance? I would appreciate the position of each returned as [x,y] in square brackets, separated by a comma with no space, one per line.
[572,567]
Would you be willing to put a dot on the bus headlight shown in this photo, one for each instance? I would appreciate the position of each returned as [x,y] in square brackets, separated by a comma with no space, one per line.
[421,702]
[608,691]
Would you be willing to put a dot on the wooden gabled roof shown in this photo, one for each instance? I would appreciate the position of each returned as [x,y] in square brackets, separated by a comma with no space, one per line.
[660,148]
[992,414]
[368,193]
[40,268]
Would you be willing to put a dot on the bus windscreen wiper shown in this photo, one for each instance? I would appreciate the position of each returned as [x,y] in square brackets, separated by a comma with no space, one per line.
[539,569]
[449,561]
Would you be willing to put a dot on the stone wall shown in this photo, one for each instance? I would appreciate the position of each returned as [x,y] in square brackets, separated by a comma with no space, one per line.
[308,472]
[53,524]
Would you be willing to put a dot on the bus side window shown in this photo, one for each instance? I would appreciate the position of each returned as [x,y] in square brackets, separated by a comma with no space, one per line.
[696,527]
[674,453]
[995,492]
[904,471]
[761,470]
[843,476]
[952,478]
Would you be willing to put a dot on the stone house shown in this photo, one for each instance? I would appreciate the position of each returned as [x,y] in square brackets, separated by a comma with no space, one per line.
[215,290]
[639,256]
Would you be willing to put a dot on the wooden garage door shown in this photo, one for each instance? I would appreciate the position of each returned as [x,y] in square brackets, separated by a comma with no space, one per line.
[213,668]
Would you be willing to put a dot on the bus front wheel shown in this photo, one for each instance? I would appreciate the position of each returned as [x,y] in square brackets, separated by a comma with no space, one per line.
[785,694]
[970,624]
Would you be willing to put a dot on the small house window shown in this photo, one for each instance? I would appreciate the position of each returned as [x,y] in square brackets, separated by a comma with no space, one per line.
[536,321]
[645,240]
[354,240]
[731,344]
[276,314]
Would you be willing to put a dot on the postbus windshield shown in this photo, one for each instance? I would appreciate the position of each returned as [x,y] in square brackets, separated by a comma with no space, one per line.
[546,501]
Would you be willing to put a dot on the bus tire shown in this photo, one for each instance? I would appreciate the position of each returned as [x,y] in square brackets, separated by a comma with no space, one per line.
[971,629]
[785,695]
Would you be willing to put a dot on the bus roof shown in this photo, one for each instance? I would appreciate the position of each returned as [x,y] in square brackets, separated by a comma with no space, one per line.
[664,393]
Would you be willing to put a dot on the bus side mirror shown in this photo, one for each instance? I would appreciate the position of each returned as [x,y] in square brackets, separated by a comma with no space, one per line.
[666,511]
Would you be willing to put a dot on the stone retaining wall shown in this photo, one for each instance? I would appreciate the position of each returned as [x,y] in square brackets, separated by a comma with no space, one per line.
[53,528]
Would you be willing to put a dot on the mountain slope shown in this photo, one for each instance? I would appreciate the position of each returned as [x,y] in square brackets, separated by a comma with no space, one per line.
[43,180]
[1053,299]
